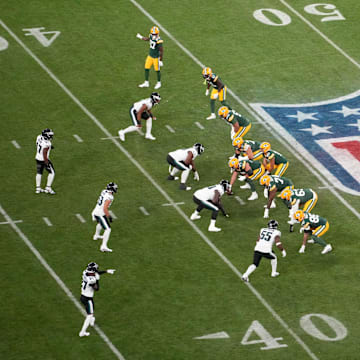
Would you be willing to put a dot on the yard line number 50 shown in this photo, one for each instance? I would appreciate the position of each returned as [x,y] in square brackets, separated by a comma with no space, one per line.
[274,17]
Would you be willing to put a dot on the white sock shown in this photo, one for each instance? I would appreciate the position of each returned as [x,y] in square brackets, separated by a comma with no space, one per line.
[92,320]
[50,179]
[273,265]
[98,229]
[174,171]
[38,180]
[249,270]
[130,129]
[106,237]
[148,126]
[86,323]
[184,176]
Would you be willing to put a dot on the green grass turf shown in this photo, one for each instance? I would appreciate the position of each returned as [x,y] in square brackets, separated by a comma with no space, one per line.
[170,286]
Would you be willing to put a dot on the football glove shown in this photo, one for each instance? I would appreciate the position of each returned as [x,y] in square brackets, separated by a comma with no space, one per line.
[110,219]
[110,271]
[283,253]
[207,92]
[227,215]
[196,176]
[302,249]
[161,64]
[266,213]
[301,230]
[139,36]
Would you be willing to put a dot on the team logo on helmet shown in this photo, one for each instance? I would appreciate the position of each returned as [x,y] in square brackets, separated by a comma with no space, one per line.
[155,97]
[234,163]
[206,72]
[199,148]
[299,215]
[112,187]
[47,134]
[223,112]
[265,146]
[265,180]
[237,142]
[273,224]
[286,194]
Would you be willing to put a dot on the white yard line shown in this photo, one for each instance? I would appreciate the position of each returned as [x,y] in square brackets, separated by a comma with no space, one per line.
[47,221]
[199,125]
[144,211]
[78,138]
[53,274]
[14,142]
[7,223]
[81,219]
[178,203]
[239,200]
[170,129]
[154,183]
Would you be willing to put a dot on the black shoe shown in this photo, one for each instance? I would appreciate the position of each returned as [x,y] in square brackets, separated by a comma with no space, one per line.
[291,228]
[170,177]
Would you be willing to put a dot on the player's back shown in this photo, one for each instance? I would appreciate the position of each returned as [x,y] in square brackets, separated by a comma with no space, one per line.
[267,238]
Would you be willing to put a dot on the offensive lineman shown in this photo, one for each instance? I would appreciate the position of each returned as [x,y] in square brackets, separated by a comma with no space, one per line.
[43,147]
[263,248]
[183,160]
[90,283]
[102,216]
[142,110]
[210,198]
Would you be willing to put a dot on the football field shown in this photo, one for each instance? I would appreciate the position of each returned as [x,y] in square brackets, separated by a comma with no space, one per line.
[292,67]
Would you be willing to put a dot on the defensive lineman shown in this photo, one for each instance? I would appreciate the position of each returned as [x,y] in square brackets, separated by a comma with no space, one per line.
[42,157]
[183,160]
[90,283]
[268,236]
[142,110]
[102,216]
[210,198]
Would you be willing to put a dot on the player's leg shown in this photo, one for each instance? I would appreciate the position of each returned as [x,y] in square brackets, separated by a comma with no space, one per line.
[253,266]
[107,230]
[222,97]
[50,169]
[281,168]
[242,131]
[39,171]
[196,214]
[89,306]
[158,73]
[273,261]
[213,97]
[98,228]
[316,236]
[148,134]
[310,204]
[148,64]
[172,168]
[131,128]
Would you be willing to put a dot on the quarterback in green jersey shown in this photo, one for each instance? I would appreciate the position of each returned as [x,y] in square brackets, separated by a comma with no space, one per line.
[273,160]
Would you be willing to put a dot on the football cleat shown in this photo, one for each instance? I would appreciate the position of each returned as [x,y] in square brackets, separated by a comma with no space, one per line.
[195,216]
[273,224]
[275,274]
[158,85]
[311,241]
[206,72]
[234,163]
[96,237]
[265,147]
[121,135]
[82,334]
[245,186]
[184,187]
[112,187]
[237,142]
[144,84]
[212,116]
[105,249]
[150,137]
[265,180]
[299,215]
[245,278]
[170,177]
[49,190]
[327,249]
[155,97]
[39,190]
[199,148]
[213,228]
[253,196]
[47,134]
[223,112]
[286,194]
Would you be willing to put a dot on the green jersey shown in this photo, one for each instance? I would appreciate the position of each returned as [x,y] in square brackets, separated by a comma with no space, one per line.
[279,183]
[234,117]
[303,195]
[254,164]
[212,81]
[279,158]
[155,44]
[254,145]
[312,221]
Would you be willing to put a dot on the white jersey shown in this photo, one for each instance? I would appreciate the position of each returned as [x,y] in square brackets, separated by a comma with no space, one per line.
[87,280]
[181,154]
[99,208]
[42,144]
[208,193]
[148,102]
[267,239]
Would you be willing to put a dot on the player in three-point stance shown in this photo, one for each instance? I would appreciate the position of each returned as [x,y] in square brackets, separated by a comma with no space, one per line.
[102,216]
[141,110]
[90,283]
[263,248]
[42,157]
[210,198]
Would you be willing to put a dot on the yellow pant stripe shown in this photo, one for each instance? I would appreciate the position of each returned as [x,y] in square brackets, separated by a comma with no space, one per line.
[281,168]
[258,173]
[321,230]
[310,204]
[242,131]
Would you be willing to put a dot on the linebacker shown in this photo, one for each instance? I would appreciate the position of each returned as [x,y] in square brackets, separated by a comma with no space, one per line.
[90,283]
[155,56]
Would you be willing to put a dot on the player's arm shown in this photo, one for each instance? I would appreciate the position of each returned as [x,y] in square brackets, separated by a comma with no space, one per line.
[233,178]
[249,152]
[140,112]
[189,161]
[161,50]
[106,209]
[45,155]
[272,193]
[145,38]
[248,170]
[108,271]
[219,84]
[218,203]
[279,245]
[271,164]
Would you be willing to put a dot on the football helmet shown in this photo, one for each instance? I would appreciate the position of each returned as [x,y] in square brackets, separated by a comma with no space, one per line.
[206,72]
[299,215]
[286,194]
[225,184]
[47,134]
[93,266]
[112,187]
[234,163]
[273,224]
[199,148]
[265,180]
[155,97]
[223,112]
[237,142]
[265,146]
[155,31]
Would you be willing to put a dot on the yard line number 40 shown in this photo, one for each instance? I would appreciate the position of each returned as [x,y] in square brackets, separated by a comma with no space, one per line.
[268,16]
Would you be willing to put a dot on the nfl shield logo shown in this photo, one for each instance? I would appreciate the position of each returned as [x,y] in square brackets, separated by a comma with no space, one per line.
[326,133]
